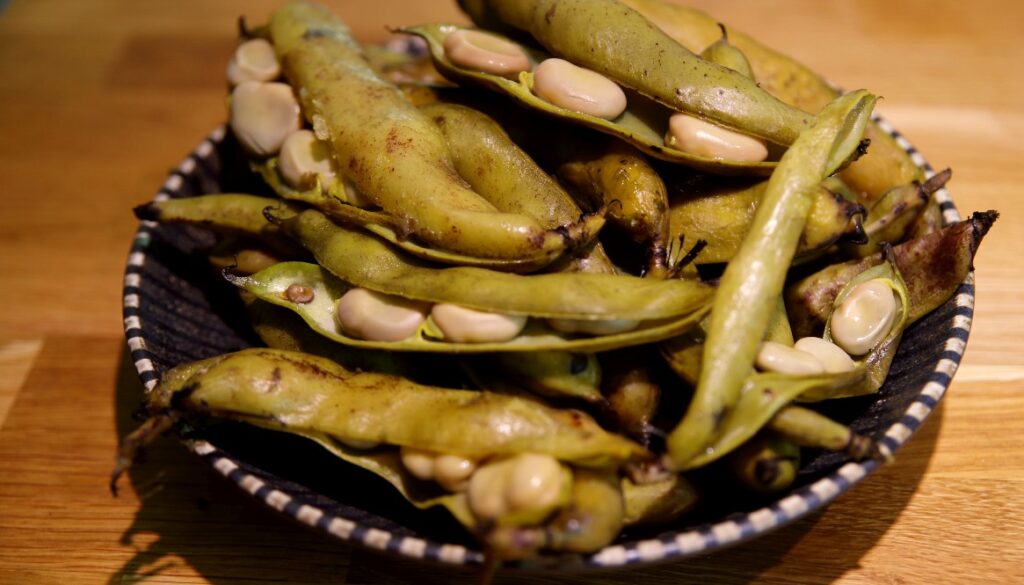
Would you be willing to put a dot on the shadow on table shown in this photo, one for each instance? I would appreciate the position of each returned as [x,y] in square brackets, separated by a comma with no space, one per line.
[189,515]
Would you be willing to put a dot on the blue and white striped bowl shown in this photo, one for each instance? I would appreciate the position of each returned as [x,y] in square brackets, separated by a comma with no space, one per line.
[177,310]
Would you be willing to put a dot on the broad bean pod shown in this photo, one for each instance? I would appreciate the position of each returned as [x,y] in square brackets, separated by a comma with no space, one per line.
[615,40]
[886,165]
[334,203]
[893,216]
[227,213]
[508,178]
[593,518]
[299,392]
[643,124]
[766,463]
[933,266]
[808,428]
[391,152]
[364,261]
[721,213]
[272,284]
[755,277]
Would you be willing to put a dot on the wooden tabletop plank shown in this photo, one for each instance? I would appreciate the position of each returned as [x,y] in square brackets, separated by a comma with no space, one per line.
[100,99]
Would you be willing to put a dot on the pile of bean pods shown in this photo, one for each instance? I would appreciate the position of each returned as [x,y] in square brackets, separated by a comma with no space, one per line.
[585,212]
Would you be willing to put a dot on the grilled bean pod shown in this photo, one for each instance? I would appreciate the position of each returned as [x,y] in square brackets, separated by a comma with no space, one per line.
[754,278]
[615,40]
[394,154]
[363,261]
[299,392]
[642,125]
[272,284]
[933,266]
[885,166]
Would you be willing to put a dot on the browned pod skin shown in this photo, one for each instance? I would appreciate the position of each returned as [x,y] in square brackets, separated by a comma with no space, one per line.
[394,155]
[933,267]
[897,214]
[619,178]
[631,391]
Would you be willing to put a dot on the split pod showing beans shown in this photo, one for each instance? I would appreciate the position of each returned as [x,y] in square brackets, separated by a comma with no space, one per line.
[514,477]
[886,164]
[381,320]
[753,280]
[551,90]
[364,261]
[614,40]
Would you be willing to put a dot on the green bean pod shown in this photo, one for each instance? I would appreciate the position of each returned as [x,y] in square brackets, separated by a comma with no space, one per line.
[893,215]
[227,213]
[364,261]
[615,40]
[643,124]
[599,172]
[554,374]
[615,176]
[721,213]
[272,285]
[395,155]
[761,397]
[807,428]
[335,203]
[631,391]
[308,394]
[885,166]
[593,518]
[659,502]
[507,177]
[755,277]
[933,266]
[766,464]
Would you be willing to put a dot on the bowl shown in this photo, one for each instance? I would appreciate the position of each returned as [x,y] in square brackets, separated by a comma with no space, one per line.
[178,309]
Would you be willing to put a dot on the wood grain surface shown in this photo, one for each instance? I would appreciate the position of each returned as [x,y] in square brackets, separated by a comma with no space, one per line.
[99,99]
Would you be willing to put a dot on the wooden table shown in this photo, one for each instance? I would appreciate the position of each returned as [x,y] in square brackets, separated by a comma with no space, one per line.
[99,99]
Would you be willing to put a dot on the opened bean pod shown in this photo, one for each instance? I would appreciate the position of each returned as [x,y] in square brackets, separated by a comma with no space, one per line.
[884,166]
[754,279]
[614,40]
[378,320]
[932,267]
[693,134]
[643,123]
[393,410]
